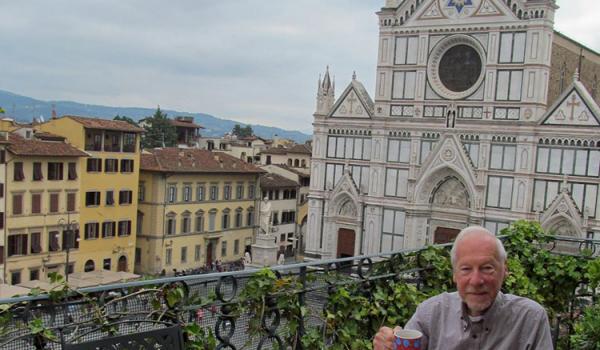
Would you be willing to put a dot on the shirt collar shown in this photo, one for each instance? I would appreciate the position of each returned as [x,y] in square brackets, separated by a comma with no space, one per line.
[487,316]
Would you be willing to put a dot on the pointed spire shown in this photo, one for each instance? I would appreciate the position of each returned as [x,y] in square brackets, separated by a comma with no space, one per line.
[354,75]
[576,75]
[326,80]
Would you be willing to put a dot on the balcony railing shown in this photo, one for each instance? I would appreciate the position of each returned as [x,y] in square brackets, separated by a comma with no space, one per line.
[292,306]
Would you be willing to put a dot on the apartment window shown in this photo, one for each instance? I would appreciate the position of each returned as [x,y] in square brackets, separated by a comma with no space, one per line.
[1,190]
[171,226]
[507,113]
[94,164]
[129,142]
[187,193]
[402,111]
[239,191]
[183,255]
[36,203]
[141,192]
[200,193]
[36,242]
[110,198]
[251,191]
[238,217]
[236,247]
[111,165]
[225,219]
[2,156]
[72,171]
[185,224]
[512,47]
[568,161]
[108,229]
[223,248]
[91,230]
[106,264]
[126,165]
[212,217]
[200,222]
[214,192]
[399,151]
[403,85]
[34,274]
[17,244]
[392,233]
[15,277]
[250,217]
[112,141]
[275,218]
[396,182]
[53,241]
[472,149]
[124,228]
[406,50]
[348,147]
[172,194]
[227,192]
[508,85]
[37,172]
[499,192]
[502,157]
[54,200]
[55,171]
[197,252]
[18,172]
[17,201]
[125,197]
[168,256]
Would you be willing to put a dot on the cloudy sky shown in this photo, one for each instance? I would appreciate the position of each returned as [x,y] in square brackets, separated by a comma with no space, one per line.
[256,61]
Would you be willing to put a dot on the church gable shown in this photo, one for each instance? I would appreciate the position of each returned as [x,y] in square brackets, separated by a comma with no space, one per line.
[562,210]
[345,197]
[354,103]
[463,10]
[575,107]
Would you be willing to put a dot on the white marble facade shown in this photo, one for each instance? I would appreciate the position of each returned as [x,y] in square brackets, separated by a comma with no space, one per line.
[458,131]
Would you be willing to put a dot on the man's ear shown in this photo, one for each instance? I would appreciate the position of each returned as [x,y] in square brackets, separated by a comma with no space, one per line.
[506,272]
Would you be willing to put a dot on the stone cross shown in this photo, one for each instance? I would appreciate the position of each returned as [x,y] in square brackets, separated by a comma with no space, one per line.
[574,103]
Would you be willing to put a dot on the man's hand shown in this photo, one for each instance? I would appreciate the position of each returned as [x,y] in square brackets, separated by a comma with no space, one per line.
[384,339]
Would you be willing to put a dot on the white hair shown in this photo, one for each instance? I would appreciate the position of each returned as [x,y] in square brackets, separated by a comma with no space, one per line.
[481,231]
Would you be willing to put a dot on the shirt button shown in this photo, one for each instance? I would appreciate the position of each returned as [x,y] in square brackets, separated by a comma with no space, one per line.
[474,336]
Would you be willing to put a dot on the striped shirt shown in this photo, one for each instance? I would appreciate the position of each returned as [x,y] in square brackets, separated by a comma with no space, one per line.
[512,322]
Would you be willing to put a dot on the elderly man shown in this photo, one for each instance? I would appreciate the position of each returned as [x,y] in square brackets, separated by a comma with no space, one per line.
[478,316]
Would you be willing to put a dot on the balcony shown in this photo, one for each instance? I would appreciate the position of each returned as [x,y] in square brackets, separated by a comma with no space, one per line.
[301,306]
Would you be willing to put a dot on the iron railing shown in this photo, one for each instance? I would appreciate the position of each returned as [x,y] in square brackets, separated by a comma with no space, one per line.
[127,307]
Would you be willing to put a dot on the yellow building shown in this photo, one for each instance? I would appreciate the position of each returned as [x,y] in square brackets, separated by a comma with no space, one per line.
[42,182]
[197,207]
[108,196]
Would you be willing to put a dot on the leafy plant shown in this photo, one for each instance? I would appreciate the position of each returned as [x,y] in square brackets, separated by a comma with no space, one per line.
[587,330]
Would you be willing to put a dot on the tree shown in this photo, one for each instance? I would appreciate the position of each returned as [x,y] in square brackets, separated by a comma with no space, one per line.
[125,119]
[159,131]
[1,110]
[242,132]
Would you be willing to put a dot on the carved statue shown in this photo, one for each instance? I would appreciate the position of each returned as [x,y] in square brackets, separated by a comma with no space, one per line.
[247,259]
[265,216]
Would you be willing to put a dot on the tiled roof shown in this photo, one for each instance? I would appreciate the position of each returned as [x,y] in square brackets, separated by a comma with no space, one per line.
[35,147]
[299,149]
[271,180]
[185,124]
[296,171]
[193,160]
[46,136]
[106,124]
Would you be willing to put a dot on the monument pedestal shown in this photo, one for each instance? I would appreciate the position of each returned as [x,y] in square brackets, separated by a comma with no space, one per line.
[264,251]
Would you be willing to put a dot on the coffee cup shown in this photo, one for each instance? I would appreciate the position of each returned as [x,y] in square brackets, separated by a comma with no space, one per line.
[407,339]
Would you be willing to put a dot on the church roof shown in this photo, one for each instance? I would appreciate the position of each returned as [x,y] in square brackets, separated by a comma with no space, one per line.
[271,180]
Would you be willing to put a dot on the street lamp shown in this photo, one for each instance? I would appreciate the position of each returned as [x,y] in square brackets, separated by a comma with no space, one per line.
[68,227]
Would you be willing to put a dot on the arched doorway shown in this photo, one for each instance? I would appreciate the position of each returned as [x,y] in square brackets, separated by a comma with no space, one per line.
[89,266]
[449,195]
[122,264]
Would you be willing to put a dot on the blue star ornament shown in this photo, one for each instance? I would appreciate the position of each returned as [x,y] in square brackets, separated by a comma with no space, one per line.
[459,4]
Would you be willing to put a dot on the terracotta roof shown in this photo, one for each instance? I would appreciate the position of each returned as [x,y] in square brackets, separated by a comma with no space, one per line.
[271,180]
[46,136]
[106,124]
[35,147]
[301,149]
[193,160]
[184,124]
[296,171]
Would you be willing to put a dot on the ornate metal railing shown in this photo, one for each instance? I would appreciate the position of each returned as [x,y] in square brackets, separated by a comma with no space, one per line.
[207,304]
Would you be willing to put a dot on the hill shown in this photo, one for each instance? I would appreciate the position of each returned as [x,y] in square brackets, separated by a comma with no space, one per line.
[24,109]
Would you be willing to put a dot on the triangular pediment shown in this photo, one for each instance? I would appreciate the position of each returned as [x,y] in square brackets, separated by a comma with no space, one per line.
[575,107]
[345,197]
[459,10]
[354,102]
[562,208]
[449,152]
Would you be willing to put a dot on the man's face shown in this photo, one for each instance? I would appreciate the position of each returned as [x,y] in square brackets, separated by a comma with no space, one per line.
[478,273]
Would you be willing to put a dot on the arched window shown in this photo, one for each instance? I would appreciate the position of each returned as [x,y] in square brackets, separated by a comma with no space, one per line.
[296,163]
[238,217]
[250,217]
[289,163]
[186,222]
[304,163]
[89,266]
[171,223]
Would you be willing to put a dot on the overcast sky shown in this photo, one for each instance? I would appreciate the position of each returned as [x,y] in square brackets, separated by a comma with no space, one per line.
[255,61]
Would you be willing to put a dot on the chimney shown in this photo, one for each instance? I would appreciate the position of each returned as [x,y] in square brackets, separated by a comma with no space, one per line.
[53,111]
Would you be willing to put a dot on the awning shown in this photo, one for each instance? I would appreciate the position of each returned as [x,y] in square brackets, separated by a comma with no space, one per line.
[43,285]
[9,291]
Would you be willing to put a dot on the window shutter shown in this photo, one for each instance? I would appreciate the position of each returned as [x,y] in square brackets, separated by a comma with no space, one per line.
[17,204]
[72,171]
[54,202]
[35,243]
[37,172]
[36,200]
[70,201]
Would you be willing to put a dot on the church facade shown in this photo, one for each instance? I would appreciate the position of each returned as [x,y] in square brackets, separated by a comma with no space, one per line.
[481,114]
